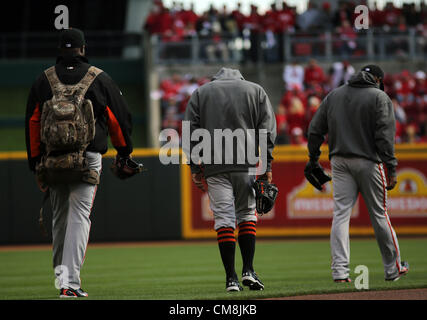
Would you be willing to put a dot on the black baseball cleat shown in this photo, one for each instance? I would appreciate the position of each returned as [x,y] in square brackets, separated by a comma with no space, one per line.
[232,284]
[342,280]
[72,293]
[250,279]
[404,269]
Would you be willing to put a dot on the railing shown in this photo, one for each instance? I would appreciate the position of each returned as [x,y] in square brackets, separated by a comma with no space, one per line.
[263,48]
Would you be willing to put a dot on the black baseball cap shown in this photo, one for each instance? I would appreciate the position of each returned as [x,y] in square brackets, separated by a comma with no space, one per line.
[376,71]
[71,38]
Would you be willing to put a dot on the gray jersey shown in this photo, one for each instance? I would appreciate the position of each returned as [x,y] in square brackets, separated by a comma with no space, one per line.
[359,120]
[230,102]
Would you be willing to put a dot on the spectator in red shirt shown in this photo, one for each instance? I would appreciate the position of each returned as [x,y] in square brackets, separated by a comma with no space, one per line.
[189,16]
[270,28]
[253,25]
[400,116]
[297,137]
[165,21]
[238,16]
[313,74]
[285,19]
[404,86]
[253,22]
[177,31]
[282,126]
[171,86]
[270,19]
[296,114]
[391,15]
[420,91]
[152,24]
[313,105]
[376,16]
[285,24]
[411,133]
[348,36]
[295,91]
[159,21]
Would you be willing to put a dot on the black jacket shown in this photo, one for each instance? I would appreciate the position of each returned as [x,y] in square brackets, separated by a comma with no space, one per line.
[109,106]
[359,120]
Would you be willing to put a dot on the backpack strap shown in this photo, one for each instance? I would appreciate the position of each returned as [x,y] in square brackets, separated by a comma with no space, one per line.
[84,84]
[55,84]
[78,90]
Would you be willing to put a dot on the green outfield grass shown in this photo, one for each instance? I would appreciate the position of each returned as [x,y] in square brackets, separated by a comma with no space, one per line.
[194,270]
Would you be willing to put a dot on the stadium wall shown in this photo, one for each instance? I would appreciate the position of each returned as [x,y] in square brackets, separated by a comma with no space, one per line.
[163,204]
[146,207]
[24,72]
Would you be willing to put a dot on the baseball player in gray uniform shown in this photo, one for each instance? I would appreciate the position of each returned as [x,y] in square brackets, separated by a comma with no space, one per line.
[231,102]
[359,120]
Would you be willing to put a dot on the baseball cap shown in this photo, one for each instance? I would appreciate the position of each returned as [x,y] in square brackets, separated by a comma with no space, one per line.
[71,38]
[376,71]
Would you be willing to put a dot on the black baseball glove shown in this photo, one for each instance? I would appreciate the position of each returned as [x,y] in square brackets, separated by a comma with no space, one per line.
[265,195]
[125,167]
[315,174]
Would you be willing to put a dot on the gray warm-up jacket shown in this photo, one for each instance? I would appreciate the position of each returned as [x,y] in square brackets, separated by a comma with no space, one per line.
[231,102]
[359,120]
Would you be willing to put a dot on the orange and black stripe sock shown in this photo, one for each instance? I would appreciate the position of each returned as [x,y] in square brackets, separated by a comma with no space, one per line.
[247,238]
[227,249]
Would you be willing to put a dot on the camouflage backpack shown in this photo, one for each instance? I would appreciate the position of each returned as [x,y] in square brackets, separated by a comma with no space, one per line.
[67,128]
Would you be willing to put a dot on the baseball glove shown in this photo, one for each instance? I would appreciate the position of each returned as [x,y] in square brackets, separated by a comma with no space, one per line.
[124,168]
[265,196]
[315,174]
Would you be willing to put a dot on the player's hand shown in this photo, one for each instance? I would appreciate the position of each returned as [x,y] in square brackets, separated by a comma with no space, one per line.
[42,186]
[198,180]
[267,176]
[392,181]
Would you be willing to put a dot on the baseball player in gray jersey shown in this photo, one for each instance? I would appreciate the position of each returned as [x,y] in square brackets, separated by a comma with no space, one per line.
[231,102]
[359,120]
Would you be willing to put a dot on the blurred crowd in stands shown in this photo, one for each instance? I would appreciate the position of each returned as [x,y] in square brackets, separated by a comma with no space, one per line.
[177,23]
[303,90]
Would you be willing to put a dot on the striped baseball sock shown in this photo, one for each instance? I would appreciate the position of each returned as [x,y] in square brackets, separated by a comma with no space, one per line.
[247,238]
[227,249]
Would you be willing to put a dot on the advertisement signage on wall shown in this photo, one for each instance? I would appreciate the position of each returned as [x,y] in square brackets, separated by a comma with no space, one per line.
[302,210]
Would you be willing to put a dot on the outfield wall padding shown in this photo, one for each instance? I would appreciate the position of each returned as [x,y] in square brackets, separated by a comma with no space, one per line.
[164,204]
[144,207]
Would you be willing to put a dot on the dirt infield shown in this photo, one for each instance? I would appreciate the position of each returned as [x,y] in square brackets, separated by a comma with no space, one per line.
[408,294]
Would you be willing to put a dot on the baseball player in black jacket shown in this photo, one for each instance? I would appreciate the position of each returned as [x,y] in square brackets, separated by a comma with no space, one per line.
[359,120]
[72,203]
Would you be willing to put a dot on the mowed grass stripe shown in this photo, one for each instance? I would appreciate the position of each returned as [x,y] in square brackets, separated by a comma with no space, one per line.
[196,272]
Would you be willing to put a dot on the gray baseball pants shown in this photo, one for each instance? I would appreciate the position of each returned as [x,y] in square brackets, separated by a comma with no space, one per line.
[349,177]
[71,206]
[232,198]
